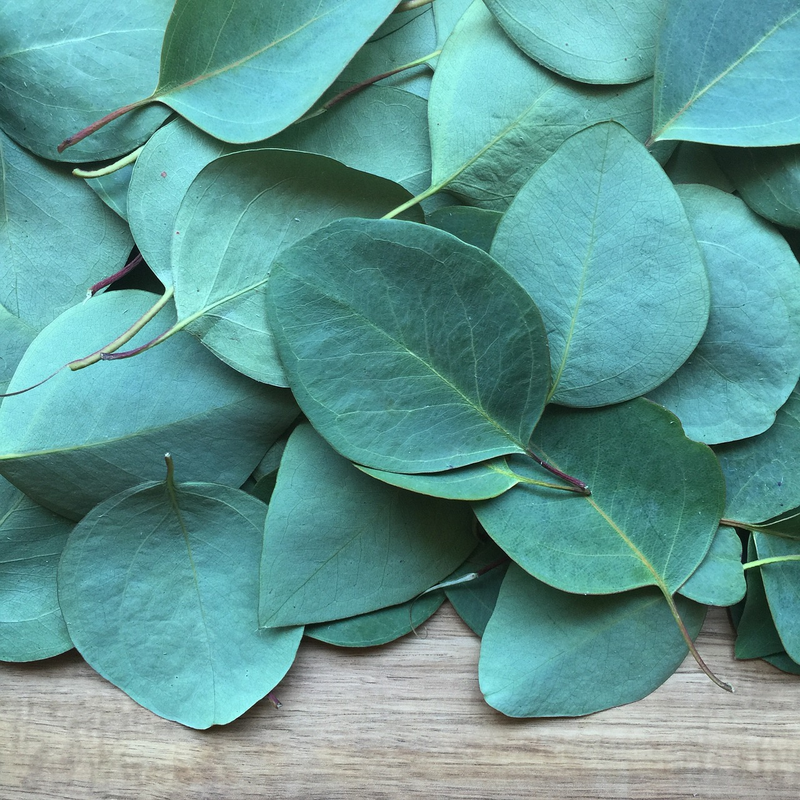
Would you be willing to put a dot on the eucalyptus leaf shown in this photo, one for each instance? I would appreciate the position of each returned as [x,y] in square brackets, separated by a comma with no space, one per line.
[715,58]
[756,634]
[586,40]
[762,473]
[475,226]
[692,162]
[159,588]
[623,307]
[744,368]
[63,65]
[547,653]
[57,237]
[655,506]
[768,179]
[31,541]
[15,336]
[510,113]
[338,543]
[782,662]
[106,432]
[242,70]
[782,588]
[474,601]
[273,199]
[112,189]
[719,580]
[473,482]
[378,627]
[446,14]
[396,342]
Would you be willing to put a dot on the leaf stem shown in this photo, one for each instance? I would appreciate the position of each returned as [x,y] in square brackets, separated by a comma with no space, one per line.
[108,170]
[100,123]
[170,479]
[578,484]
[134,262]
[431,190]
[771,560]
[410,5]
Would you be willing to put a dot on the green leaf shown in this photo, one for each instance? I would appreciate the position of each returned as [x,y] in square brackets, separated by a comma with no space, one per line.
[768,179]
[547,653]
[15,336]
[473,482]
[338,543]
[31,541]
[756,634]
[715,58]
[446,14]
[719,580]
[656,502]
[748,361]
[108,426]
[475,226]
[56,237]
[474,601]
[583,39]
[242,70]
[782,588]
[504,136]
[782,662]
[378,627]
[599,238]
[113,189]
[159,586]
[273,199]
[692,162]
[65,64]
[762,474]
[397,343]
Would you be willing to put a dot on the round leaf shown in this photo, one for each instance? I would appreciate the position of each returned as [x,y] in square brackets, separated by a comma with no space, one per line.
[159,588]
[748,361]
[338,543]
[586,40]
[407,349]
[547,653]
[108,426]
[656,501]
[719,580]
[599,238]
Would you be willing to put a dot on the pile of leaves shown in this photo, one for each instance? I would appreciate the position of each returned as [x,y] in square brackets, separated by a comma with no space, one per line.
[493,303]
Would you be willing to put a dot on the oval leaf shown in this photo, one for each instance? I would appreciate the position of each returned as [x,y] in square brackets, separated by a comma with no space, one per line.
[396,341]
[547,653]
[159,587]
[583,39]
[108,426]
[714,59]
[338,543]
[656,501]
[624,306]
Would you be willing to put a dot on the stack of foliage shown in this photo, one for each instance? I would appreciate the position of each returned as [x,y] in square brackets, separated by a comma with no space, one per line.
[516,325]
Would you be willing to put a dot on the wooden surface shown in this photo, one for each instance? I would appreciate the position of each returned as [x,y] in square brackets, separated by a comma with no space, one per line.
[405,720]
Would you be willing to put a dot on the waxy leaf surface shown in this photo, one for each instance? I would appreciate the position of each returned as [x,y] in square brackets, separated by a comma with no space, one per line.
[623,308]
[547,653]
[242,70]
[273,198]
[396,342]
[719,580]
[748,361]
[510,113]
[475,226]
[64,65]
[768,179]
[159,588]
[338,543]
[727,73]
[31,541]
[586,40]
[109,426]
[656,501]
[762,473]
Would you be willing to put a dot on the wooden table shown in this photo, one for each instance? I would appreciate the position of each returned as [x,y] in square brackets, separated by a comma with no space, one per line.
[405,720]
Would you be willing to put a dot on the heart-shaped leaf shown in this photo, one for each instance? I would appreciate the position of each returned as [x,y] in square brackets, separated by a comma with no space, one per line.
[338,543]
[656,501]
[547,653]
[623,306]
[159,588]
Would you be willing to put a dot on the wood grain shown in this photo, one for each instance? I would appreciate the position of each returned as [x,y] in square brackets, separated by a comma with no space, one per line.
[405,720]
